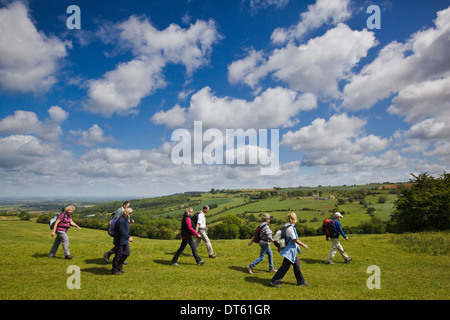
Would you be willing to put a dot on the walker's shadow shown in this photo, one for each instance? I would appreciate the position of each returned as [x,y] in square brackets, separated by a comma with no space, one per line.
[41,255]
[257,280]
[241,269]
[312,261]
[95,261]
[97,270]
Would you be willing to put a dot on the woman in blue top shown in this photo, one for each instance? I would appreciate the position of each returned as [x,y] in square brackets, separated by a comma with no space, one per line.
[290,254]
[121,241]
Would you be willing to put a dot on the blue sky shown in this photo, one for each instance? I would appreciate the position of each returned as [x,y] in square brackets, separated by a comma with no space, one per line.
[91,111]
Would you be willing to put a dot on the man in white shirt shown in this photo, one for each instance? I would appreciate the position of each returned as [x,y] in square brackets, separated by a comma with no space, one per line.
[201,229]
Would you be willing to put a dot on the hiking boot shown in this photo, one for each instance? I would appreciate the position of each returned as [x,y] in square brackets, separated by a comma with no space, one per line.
[274,285]
[213,256]
[69,257]
[273,270]
[117,272]
[348,260]
[304,284]
[174,264]
[250,270]
[201,262]
[331,263]
[106,257]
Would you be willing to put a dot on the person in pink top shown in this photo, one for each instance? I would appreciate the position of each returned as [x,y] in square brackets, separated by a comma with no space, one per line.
[60,228]
[187,231]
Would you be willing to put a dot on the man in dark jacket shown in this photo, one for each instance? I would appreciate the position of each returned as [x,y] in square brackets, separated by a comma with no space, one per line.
[121,241]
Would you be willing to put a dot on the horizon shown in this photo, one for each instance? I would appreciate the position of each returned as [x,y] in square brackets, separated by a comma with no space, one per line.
[92,95]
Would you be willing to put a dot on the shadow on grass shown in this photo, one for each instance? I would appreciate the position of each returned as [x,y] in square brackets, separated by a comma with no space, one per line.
[256,280]
[313,261]
[98,270]
[96,261]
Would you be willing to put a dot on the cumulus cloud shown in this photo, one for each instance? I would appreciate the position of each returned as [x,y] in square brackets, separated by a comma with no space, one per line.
[340,141]
[273,108]
[27,122]
[92,137]
[423,58]
[28,58]
[121,90]
[322,12]
[315,67]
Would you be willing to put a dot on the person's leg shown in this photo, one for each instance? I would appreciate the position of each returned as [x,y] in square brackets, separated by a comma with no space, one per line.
[65,243]
[270,256]
[298,274]
[116,261]
[262,255]
[341,251]
[281,272]
[333,249]
[55,246]
[184,242]
[205,238]
[194,250]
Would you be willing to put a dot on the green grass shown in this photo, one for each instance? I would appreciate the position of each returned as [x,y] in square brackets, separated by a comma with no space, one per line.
[27,272]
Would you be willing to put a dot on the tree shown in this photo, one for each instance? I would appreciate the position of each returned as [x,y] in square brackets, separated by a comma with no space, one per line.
[425,206]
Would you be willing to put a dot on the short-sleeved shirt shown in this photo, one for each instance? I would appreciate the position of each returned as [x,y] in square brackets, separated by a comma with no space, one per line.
[201,220]
[64,223]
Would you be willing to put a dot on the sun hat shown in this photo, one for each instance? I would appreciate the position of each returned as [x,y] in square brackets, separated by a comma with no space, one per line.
[338,214]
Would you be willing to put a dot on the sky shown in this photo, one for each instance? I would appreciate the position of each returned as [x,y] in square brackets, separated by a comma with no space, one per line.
[133,99]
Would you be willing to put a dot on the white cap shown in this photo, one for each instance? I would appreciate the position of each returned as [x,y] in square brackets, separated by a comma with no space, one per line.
[338,214]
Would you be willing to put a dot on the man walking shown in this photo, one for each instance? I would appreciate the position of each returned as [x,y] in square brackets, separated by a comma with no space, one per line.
[201,229]
[335,245]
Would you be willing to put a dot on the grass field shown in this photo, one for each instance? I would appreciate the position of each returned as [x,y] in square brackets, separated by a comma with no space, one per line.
[406,272]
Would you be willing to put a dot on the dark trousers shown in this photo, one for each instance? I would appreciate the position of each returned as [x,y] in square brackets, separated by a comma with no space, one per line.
[183,245]
[285,267]
[121,254]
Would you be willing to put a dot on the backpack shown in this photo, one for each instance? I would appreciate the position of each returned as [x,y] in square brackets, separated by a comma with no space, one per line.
[112,224]
[194,220]
[257,237]
[55,217]
[330,229]
[279,240]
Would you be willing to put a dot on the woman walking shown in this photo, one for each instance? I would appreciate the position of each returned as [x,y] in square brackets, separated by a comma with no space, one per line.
[265,236]
[62,224]
[121,242]
[290,254]
[186,237]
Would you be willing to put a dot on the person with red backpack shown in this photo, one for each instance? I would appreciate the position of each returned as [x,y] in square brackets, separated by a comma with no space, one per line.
[263,236]
[335,244]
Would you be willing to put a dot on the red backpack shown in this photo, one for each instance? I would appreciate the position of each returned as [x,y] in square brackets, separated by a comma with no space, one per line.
[257,237]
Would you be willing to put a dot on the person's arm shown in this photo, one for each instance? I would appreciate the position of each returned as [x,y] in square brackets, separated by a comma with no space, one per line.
[340,230]
[300,243]
[189,225]
[55,226]
[74,224]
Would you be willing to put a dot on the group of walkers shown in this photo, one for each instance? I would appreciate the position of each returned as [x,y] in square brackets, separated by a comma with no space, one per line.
[195,226]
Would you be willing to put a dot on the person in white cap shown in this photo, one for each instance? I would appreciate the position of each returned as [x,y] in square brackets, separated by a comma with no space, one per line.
[335,245]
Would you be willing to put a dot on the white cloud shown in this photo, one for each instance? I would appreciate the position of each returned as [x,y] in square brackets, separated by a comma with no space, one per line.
[26,122]
[92,137]
[423,58]
[322,12]
[28,58]
[339,143]
[315,67]
[29,154]
[122,89]
[263,4]
[273,108]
